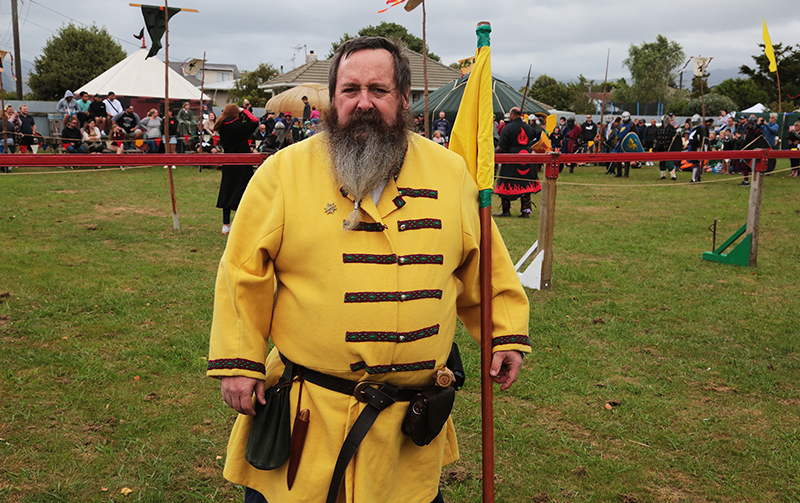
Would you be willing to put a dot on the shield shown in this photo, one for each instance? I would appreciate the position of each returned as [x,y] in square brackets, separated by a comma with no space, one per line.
[631,143]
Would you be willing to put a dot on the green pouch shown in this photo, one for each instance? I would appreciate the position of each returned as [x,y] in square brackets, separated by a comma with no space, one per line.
[271,432]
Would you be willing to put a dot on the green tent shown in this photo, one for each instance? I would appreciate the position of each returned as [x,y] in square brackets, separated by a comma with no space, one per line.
[447,99]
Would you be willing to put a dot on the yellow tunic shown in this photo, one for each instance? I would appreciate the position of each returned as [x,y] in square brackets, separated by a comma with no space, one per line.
[377,303]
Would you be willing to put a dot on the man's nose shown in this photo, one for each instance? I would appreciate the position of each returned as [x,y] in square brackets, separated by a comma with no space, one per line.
[364,100]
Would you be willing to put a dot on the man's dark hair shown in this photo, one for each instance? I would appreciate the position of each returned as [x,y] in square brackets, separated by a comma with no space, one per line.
[402,69]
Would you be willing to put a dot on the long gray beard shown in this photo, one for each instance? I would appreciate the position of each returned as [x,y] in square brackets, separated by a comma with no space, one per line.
[365,152]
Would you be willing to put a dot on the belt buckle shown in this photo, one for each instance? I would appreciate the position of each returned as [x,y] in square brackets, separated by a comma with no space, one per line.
[361,386]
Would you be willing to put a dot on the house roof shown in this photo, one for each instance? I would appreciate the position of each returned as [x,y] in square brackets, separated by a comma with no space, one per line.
[316,71]
[137,76]
[195,80]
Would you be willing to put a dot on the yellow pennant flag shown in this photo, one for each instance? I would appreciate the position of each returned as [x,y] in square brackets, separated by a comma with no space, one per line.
[472,136]
[773,65]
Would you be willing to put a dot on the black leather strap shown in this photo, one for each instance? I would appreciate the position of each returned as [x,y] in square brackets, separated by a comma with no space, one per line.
[348,387]
[377,400]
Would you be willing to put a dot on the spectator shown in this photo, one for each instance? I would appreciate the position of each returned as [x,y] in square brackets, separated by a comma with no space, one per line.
[153,127]
[438,138]
[118,136]
[27,127]
[443,126]
[67,106]
[208,124]
[9,143]
[793,139]
[310,129]
[314,114]
[306,109]
[172,128]
[556,139]
[72,137]
[83,107]
[589,132]
[573,141]
[8,127]
[727,143]
[667,140]
[113,107]
[770,131]
[91,137]
[297,131]
[259,136]
[247,106]
[268,119]
[235,127]
[129,121]
[97,111]
[201,142]
[649,140]
[186,122]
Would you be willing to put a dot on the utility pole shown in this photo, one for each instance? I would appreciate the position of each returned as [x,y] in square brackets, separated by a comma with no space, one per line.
[18,69]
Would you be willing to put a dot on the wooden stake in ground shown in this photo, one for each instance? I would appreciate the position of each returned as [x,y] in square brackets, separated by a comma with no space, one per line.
[754,208]
[547,219]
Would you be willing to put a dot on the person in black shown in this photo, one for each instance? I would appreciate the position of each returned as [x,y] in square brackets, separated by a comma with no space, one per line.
[8,147]
[97,111]
[72,137]
[667,139]
[235,127]
[517,181]
[443,126]
[649,138]
[753,139]
[589,133]
[306,109]
[27,127]
[129,121]
[793,142]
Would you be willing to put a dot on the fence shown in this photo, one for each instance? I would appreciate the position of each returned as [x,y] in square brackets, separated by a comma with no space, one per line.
[551,161]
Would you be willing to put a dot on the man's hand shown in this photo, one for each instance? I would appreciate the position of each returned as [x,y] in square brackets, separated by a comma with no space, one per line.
[505,367]
[237,392]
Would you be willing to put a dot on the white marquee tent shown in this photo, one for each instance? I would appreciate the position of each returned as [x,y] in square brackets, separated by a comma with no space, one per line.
[136,76]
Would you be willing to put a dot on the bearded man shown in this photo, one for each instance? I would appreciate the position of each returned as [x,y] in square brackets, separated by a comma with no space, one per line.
[354,253]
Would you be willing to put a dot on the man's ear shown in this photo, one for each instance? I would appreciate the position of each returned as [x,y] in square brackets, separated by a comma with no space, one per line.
[405,102]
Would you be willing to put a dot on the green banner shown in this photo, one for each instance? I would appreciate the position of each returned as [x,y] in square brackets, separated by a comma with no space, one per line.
[156,25]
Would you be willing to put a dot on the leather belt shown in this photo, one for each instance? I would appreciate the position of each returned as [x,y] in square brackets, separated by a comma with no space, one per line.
[376,395]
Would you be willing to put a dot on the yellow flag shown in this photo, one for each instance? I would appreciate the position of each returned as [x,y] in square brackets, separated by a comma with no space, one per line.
[773,65]
[472,136]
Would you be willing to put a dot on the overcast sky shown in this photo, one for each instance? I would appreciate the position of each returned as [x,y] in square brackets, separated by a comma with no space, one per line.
[561,38]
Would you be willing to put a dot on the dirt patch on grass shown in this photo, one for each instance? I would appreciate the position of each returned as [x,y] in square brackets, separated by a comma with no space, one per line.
[116,211]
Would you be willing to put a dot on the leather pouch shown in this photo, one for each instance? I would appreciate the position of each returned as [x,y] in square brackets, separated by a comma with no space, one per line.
[269,442]
[427,414]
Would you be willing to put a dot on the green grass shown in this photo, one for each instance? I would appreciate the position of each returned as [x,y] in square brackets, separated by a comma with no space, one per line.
[104,338]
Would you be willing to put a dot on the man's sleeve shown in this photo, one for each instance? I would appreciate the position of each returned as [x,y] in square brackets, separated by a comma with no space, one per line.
[245,286]
[510,309]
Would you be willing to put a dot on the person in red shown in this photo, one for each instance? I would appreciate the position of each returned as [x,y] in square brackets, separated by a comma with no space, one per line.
[235,127]
[517,181]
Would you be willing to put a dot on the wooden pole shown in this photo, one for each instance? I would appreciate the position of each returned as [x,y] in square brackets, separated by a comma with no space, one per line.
[547,218]
[602,127]
[777,76]
[487,398]
[525,94]
[176,224]
[3,116]
[15,21]
[202,84]
[754,208]
[428,132]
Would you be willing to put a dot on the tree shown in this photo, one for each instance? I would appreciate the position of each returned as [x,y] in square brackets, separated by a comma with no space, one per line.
[392,31]
[788,60]
[744,92]
[715,103]
[71,58]
[551,92]
[246,86]
[653,67]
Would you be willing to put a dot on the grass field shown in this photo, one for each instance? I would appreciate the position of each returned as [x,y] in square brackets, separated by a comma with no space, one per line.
[655,376]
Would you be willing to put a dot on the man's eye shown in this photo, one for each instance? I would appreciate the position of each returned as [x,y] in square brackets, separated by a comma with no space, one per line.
[380,92]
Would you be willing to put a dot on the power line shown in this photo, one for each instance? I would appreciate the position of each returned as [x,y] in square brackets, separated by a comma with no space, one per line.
[76,21]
